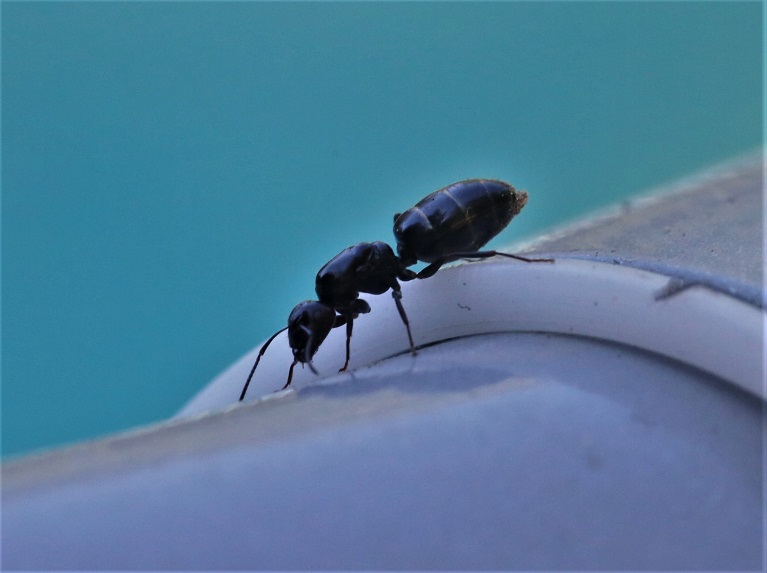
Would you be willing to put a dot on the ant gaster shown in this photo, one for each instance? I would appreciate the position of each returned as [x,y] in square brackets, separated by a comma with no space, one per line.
[450,224]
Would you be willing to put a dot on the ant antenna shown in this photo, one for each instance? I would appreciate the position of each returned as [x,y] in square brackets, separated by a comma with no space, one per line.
[258,359]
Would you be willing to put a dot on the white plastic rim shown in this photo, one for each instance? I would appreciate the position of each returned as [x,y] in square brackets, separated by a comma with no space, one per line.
[704,329]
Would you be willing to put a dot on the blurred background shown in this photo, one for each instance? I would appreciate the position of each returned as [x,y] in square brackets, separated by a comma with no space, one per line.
[174,174]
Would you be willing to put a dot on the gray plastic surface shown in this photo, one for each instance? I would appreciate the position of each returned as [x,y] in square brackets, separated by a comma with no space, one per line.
[503,451]
[704,230]
[700,327]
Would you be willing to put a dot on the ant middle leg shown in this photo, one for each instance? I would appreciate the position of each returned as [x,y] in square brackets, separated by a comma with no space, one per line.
[349,328]
[397,295]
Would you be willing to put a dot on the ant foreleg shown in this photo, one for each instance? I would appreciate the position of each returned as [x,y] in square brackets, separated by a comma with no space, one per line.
[258,359]
[358,307]
[290,373]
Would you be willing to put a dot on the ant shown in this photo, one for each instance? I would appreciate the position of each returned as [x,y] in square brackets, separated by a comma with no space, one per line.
[447,225]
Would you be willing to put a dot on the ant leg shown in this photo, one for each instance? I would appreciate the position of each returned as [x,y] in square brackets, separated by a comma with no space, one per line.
[258,359]
[521,258]
[486,254]
[406,275]
[397,295]
[342,319]
[430,270]
[357,308]
[290,374]
[349,328]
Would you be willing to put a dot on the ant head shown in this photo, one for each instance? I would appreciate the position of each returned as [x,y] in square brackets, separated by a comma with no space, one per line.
[308,325]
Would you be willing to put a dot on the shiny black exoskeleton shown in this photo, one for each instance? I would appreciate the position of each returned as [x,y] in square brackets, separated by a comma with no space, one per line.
[450,224]
[371,268]
[455,222]
[309,324]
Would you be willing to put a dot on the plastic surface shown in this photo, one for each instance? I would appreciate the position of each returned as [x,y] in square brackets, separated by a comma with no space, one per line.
[506,451]
[697,326]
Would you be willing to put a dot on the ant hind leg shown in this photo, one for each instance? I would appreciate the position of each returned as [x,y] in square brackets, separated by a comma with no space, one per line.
[430,270]
[488,254]
[397,295]
[521,258]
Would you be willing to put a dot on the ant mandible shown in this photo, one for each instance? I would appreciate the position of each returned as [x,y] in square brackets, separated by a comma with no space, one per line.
[447,225]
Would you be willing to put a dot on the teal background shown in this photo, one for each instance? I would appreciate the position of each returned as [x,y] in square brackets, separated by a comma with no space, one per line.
[174,174]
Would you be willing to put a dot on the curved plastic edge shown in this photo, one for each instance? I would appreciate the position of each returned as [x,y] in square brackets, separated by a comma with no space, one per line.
[696,326]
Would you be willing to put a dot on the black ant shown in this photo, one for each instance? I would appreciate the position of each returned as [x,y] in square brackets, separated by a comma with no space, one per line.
[450,224]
